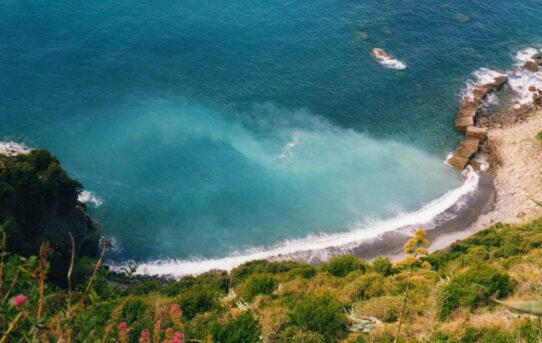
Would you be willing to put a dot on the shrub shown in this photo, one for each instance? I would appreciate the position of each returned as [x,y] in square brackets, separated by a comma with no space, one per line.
[341,265]
[473,288]
[383,265]
[218,281]
[321,314]
[262,267]
[198,300]
[259,284]
[305,272]
[386,308]
[485,335]
[243,329]
[293,334]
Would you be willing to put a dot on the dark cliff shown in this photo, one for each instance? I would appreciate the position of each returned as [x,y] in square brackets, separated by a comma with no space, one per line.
[38,203]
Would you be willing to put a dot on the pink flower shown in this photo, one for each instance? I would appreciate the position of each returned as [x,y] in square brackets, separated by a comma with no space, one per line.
[19,300]
[175,310]
[145,337]
[178,337]
[122,326]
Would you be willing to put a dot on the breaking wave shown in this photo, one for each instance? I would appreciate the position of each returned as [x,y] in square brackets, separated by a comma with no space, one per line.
[12,148]
[320,246]
[87,197]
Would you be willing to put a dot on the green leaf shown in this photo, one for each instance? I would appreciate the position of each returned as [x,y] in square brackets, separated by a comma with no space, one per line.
[529,307]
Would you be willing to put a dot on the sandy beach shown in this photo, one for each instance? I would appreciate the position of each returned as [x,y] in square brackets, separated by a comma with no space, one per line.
[516,166]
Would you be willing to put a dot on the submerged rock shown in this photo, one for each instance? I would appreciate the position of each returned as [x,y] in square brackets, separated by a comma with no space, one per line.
[531,66]
[380,54]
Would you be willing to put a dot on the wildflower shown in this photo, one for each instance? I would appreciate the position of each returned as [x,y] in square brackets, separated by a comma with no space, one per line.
[169,334]
[145,337]
[178,337]
[122,326]
[19,300]
[175,310]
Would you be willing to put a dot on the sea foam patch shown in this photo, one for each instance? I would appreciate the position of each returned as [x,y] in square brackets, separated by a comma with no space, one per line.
[13,149]
[522,81]
[88,197]
[388,61]
[321,246]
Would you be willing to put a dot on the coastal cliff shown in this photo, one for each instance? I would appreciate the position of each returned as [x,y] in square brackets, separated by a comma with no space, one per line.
[38,203]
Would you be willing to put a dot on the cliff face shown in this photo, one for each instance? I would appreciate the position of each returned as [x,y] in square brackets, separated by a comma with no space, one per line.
[38,203]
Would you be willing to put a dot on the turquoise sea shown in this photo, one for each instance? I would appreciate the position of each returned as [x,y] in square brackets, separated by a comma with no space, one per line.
[207,128]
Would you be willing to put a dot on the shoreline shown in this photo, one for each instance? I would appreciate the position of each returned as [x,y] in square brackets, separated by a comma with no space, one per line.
[515,157]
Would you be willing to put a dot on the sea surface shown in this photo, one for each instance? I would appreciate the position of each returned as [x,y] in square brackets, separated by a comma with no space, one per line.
[205,129]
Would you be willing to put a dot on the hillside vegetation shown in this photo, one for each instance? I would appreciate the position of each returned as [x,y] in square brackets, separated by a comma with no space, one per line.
[442,297]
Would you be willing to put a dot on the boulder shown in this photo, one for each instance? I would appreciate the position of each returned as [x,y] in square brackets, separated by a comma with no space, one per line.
[532,89]
[464,151]
[498,81]
[537,56]
[531,66]
[537,97]
[475,165]
[458,161]
[476,132]
[479,91]
[461,123]
[470,143]
[380,54]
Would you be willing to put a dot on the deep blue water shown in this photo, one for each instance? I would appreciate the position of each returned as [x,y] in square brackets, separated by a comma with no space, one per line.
[209,127]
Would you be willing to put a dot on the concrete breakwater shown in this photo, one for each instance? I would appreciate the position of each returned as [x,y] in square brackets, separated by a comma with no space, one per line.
[465,121]
[523,79]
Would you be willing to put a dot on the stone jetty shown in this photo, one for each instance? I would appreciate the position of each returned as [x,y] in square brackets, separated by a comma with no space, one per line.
[465,121]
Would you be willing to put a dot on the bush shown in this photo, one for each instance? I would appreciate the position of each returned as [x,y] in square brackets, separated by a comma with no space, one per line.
[218,281]
[198,300]
[473,288]
[245,270]
[485,335]
[342,265]
[259,284]
[293,334]
[383,265]
[320,314]
[386,308]
[243,329]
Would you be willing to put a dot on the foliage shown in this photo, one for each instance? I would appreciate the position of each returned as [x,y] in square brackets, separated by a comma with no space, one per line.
[321,314]
[242,329]
[303,303]
[259,284]
[341,265]
[473,288]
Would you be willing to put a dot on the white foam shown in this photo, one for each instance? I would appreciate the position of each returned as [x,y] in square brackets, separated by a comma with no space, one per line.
[520,79]
[13,149]
[482,76]
[388,61]
[87,197]
[316,245]
[288,149]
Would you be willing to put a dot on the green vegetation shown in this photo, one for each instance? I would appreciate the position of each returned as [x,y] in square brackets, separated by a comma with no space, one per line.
[444,297]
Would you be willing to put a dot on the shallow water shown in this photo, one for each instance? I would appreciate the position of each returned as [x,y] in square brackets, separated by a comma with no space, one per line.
[205,128]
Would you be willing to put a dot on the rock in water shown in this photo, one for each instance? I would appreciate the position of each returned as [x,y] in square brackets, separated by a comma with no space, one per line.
[380,54]
[531,66]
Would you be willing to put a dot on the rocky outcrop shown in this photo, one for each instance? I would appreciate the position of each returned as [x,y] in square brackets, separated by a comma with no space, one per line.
[380,54]
[38,203]
[531,65]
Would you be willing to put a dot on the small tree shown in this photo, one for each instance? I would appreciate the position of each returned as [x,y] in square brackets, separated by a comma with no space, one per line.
[414,249]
